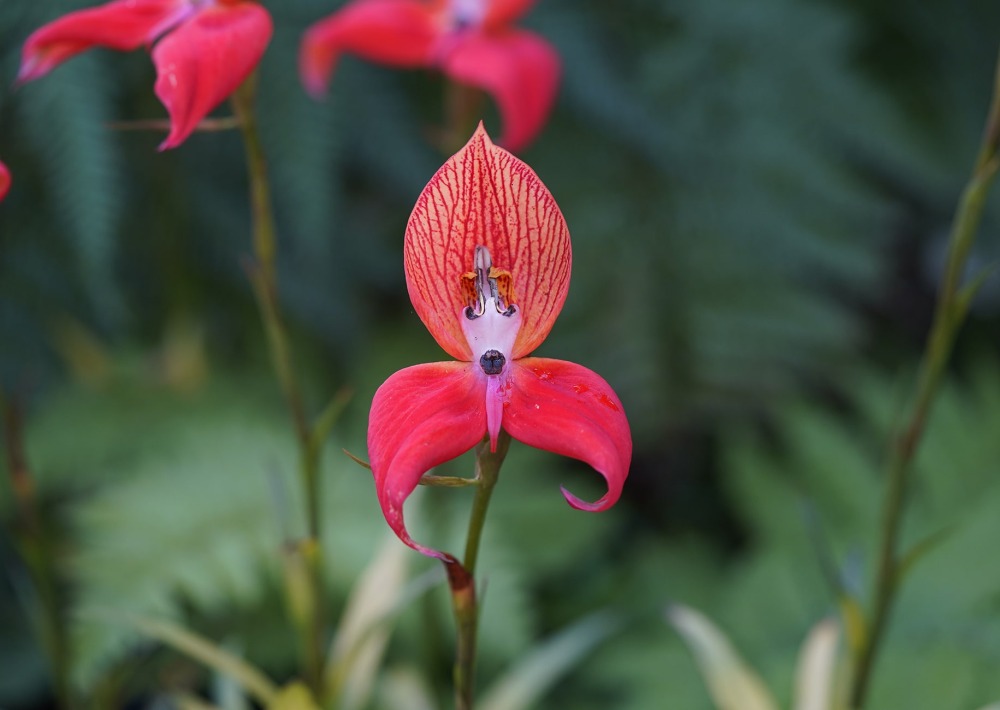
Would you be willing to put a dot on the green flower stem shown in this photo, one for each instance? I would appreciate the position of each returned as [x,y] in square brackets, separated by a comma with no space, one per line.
[448,481]
[463,106]
[35,546]
[263,276]
[949,315]
[461,576]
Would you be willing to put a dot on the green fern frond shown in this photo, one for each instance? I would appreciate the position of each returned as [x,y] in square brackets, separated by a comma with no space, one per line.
[64,118]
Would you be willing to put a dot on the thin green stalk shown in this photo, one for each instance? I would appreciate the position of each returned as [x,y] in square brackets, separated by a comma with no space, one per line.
[263,275]
[36,550]
[463,106]
[949,315]
[461,576]
[263,271]
[487,471]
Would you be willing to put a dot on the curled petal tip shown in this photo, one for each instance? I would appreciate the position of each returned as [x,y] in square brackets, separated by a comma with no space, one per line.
[424,550]
[34,65]
[121,25]
[315,65]
[205,60]
[422,416]
[569,410]
[601,504]
[171,141]
[519,69]
[30,69]
[317,87]
[394,32]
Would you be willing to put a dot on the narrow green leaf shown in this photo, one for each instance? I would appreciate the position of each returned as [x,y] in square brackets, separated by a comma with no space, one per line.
[362,636]
[202,650]
[731,683]
[968,292]
[406,689]
[328,418]
[528,681]
[918,551]
[357,459]
[814,678]
[448,481]
[364,627]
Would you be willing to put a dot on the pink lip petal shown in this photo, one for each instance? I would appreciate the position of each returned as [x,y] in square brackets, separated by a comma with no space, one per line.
[569,410]
[422,416]
[519,69]
[395,32]
[204,60]
[121,25]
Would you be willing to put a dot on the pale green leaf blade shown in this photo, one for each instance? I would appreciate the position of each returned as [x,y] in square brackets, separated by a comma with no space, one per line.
[528,681]
[732,685]
[364,629]
[406,689]
[814,678]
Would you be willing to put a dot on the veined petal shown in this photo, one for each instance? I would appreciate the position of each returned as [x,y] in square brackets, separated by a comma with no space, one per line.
[485,196]
[122,25]
[519,69]
[204,60]
[569,410]
[502,12]
[4,180]
[422,416]
[395,32]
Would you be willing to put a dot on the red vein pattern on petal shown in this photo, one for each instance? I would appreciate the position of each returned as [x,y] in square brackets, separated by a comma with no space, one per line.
[484,195]
[569,410]
[204,60]
[121,25]
[422,416]
[400,33]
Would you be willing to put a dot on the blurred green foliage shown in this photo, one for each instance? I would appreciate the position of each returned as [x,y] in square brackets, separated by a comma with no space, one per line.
[758,196]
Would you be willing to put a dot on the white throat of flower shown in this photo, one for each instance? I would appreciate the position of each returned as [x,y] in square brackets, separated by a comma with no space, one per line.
[490,326]
[467,13]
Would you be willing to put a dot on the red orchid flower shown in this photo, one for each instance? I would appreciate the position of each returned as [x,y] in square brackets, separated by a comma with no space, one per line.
[4,180]
[487,261]
[203,51]
[471,41]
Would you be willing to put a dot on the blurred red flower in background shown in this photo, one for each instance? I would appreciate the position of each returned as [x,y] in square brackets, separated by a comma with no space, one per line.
[470,41]
[202,49]
[487,260]
[4,180]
